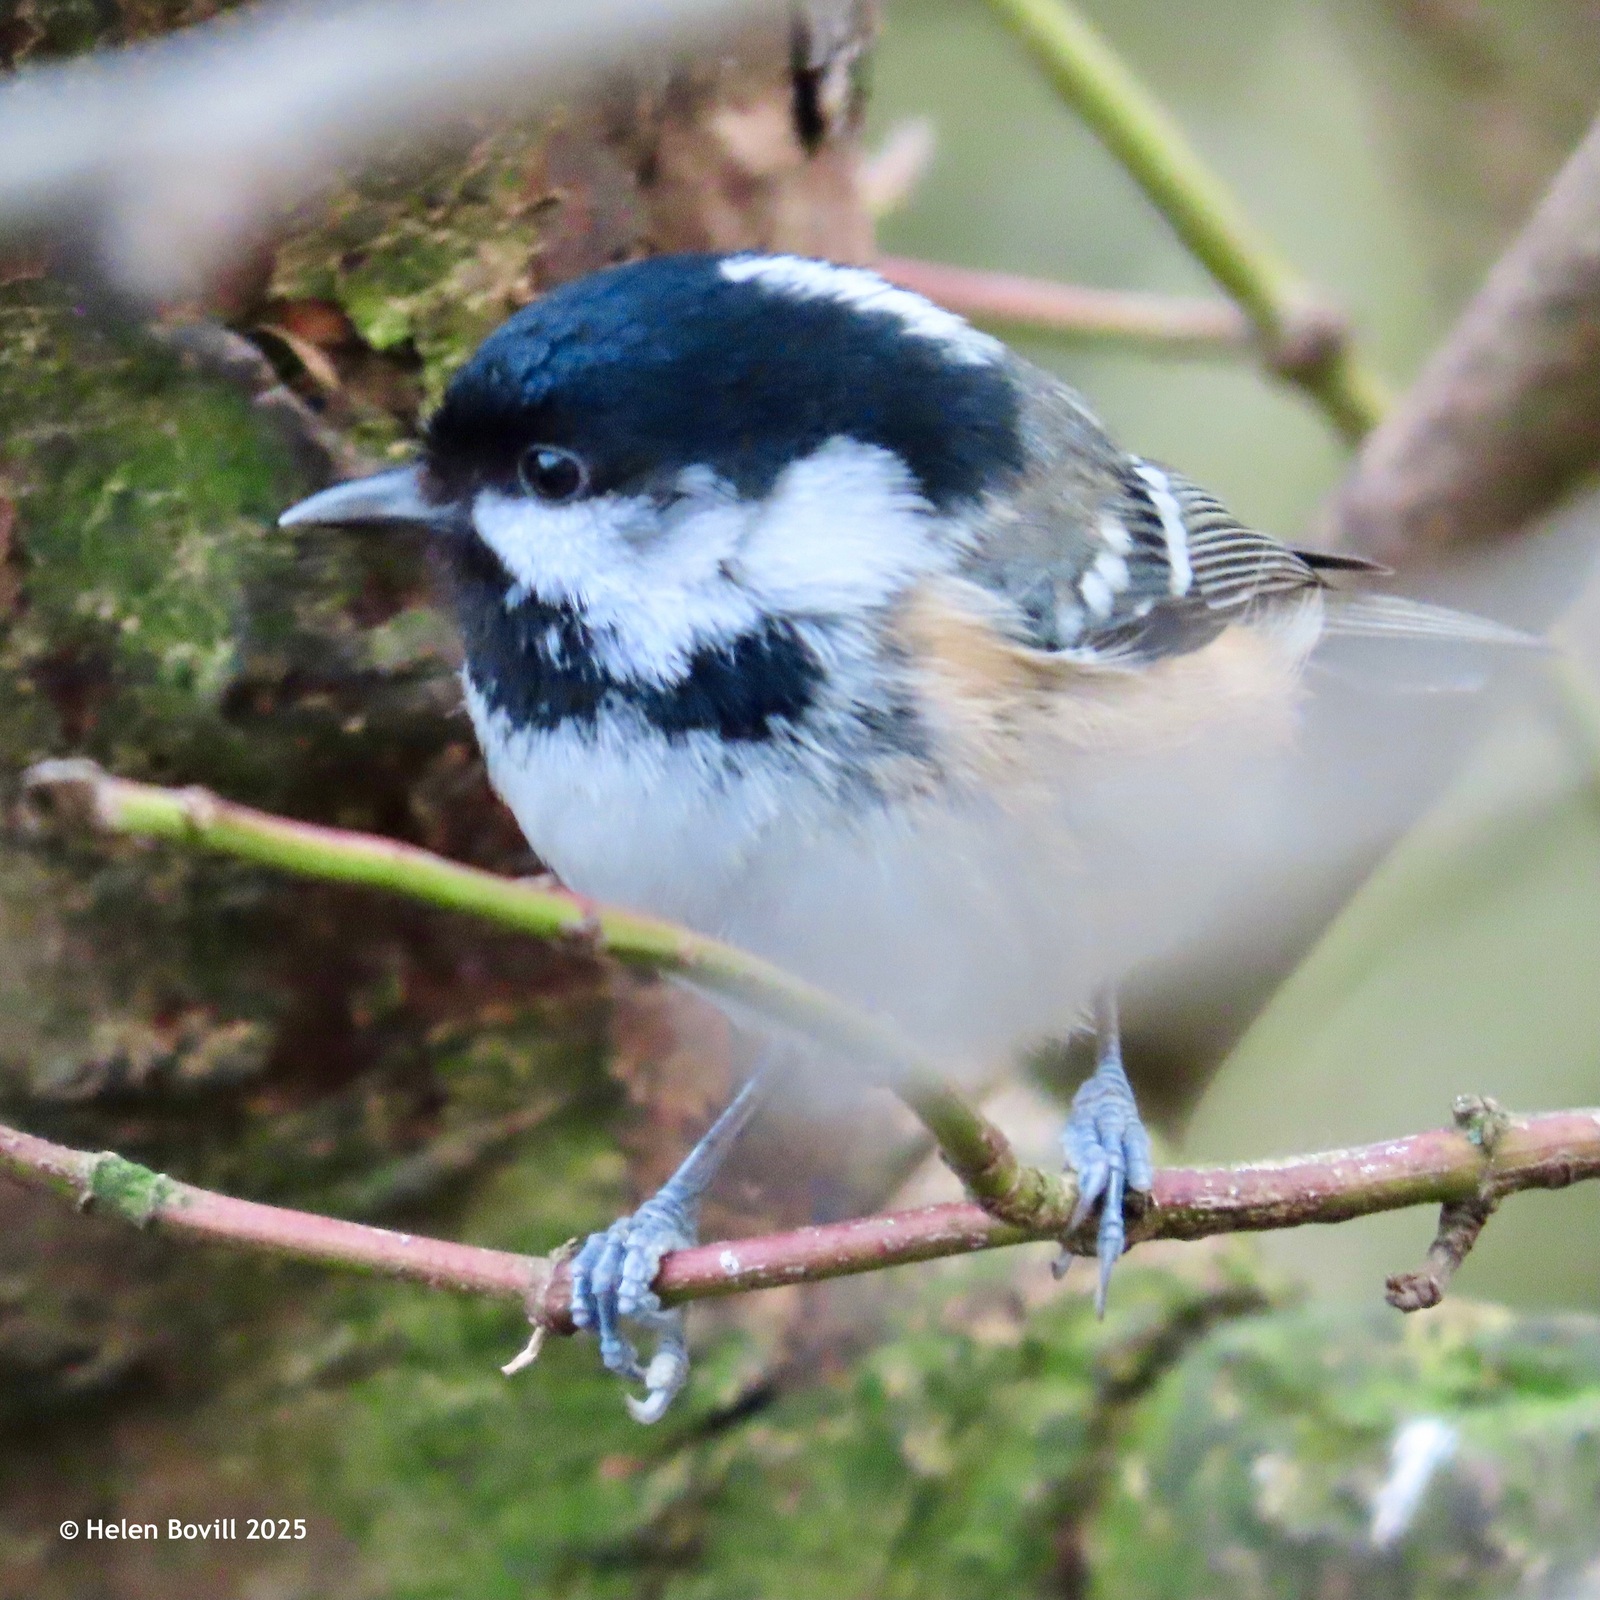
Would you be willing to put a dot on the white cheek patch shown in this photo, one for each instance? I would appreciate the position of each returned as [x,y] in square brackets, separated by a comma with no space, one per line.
[650,585]
[804,279]
[843,531]
[554,551]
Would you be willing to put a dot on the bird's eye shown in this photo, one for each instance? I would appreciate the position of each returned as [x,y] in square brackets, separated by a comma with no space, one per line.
[552,474]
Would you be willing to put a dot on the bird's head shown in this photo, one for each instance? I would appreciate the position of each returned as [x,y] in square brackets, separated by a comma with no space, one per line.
[678,476]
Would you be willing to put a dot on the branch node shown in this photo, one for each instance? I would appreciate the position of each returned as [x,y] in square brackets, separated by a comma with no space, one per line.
[1460,1223]
[67,793]
[1011,1191]
[1311,336]
[126,1189]
[202,810]
[1482,1119]
[587,934]
[548,1304]
[1083,1240]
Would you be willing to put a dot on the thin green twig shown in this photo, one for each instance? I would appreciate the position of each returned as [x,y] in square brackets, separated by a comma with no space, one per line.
[1301,338]
[973,1147]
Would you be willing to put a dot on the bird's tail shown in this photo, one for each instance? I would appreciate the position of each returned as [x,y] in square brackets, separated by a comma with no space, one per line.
[1392,645]
[1386,616]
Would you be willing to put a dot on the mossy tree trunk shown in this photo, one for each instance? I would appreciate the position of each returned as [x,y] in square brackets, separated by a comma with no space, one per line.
[275,1038]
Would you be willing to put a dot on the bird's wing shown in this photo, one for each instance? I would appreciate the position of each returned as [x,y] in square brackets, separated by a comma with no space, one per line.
[1105,559]
[1168,569]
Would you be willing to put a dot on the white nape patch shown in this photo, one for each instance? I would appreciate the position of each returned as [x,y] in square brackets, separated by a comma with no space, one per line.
[805,279]
[1172,525]
[841,532]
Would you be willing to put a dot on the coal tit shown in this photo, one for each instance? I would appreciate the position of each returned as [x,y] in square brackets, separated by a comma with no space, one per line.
[799,610]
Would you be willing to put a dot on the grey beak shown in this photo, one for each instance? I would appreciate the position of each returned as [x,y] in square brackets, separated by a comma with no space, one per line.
[393,496]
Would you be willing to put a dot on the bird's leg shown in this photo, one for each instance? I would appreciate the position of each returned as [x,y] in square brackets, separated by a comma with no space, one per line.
[612,1273]
[1105,1143]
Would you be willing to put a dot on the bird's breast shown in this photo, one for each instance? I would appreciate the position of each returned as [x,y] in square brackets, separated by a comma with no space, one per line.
[623,812]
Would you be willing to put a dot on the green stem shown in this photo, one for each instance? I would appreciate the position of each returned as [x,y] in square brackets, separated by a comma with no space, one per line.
[973,1147]
[1301,339]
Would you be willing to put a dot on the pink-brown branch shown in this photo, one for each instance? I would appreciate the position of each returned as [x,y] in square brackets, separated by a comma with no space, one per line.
[1445,1166]
[1175,322]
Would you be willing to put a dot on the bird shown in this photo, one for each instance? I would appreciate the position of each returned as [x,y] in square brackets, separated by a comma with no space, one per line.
[798,609]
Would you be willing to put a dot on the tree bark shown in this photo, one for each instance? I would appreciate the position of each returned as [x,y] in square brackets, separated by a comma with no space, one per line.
[281,1040]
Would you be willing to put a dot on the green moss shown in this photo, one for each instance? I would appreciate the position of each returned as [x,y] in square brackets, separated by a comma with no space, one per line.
[430,254]
[145,502]
[1255,1469]
[942,1463]
[1194,1444]
[39,30]
[153,615]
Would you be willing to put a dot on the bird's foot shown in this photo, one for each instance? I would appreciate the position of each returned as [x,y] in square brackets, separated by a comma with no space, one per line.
[611,1278]
[612,1273]
[1106,1146]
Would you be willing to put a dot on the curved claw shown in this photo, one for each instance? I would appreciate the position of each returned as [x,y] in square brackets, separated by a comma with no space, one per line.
[1112,1237]
[667,1373]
